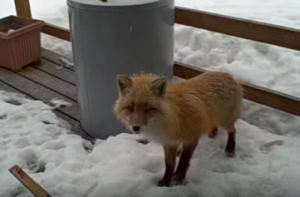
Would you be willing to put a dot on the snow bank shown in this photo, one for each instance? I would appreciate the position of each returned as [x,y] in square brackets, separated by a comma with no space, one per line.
[279,12]
[265,65]
[66,165]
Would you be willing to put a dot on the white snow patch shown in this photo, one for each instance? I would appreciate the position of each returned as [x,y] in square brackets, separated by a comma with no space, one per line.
[56,103]
[65,62]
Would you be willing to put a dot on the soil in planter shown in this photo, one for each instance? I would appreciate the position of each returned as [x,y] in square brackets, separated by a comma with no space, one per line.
[10,25]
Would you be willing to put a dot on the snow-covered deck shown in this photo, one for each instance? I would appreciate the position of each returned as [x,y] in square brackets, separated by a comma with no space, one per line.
[53,77]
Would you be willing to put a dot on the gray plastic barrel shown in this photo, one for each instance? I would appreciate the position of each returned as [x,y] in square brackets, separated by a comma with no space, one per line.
[119,36]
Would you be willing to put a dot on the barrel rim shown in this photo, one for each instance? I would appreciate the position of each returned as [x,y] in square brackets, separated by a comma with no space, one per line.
[96,5]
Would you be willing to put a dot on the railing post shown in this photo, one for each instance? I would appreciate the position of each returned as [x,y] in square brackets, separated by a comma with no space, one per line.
[23,8]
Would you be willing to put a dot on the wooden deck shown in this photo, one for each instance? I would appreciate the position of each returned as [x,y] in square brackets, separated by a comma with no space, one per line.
[45,81]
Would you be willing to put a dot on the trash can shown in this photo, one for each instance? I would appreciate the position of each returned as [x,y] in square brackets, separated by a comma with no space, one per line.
[113,37]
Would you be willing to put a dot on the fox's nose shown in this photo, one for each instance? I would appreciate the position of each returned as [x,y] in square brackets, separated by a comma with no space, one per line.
[135,128]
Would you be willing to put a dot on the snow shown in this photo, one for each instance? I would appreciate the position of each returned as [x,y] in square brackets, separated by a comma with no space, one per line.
[33,137]
[56,103]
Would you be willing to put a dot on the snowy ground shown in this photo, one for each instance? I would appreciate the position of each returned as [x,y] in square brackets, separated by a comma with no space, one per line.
[32,137]
[50,152]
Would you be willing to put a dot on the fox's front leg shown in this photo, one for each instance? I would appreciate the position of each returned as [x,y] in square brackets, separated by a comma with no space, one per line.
[178,153]
[184,162]
[170,162]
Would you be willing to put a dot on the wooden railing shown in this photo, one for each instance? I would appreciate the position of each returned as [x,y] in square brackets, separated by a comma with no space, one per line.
[261,32]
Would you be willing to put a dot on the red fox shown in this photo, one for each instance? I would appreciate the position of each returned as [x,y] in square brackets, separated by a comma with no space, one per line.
[179,113]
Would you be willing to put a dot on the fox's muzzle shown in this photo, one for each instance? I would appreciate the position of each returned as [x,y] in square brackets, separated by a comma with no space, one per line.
[136,122]
[136,129]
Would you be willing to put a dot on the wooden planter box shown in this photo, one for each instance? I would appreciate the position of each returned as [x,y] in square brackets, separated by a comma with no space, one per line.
[20,42]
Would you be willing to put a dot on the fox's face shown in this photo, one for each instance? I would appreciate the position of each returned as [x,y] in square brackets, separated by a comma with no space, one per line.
[139,105]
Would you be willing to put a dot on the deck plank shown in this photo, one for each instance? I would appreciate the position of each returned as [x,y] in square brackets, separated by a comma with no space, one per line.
[37,91]
[56,71]
[54,58]
[50,82]
[8,88]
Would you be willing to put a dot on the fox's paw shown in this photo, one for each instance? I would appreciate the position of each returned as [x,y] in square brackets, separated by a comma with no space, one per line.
[213,133]
[178,179]
[164,183]
[230,147]
[143,141]
[230,151]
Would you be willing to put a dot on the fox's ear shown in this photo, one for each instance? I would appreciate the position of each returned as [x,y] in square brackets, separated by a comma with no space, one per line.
[159,86]
[124,83]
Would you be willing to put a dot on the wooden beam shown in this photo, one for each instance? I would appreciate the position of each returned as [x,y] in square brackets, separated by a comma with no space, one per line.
[254,93]
[23,8]
[256,31]
[28,182]
[56,31]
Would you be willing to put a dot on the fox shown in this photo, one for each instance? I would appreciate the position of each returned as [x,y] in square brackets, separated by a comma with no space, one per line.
[178,114]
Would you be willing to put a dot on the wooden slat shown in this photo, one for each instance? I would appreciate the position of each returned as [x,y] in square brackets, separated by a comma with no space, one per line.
[57,71]
[257,31]
[37,91]
[50,82]
[57,31]
[8,88]
[254,93]
[23,8]
[28,182]
[53,57]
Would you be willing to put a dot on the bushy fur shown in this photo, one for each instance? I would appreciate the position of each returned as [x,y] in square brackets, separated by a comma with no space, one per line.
[182,112]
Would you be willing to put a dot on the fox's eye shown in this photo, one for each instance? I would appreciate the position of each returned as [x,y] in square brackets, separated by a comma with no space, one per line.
[148,109]
[129,108]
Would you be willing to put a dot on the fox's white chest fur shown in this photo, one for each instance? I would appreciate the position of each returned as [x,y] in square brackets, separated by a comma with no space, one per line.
[157,134]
